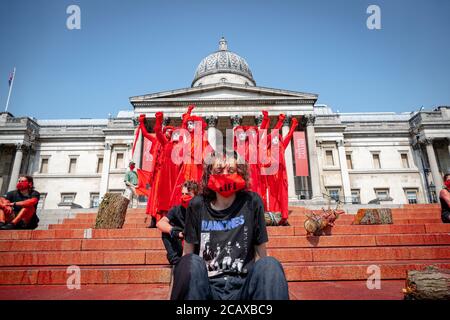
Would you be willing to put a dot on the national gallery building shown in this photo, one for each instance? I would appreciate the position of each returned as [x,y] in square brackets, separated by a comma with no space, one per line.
[359,158]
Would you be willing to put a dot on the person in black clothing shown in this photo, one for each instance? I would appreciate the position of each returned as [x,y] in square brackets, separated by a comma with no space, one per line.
[172,224]
[225,234]
[444,197]
[18,208]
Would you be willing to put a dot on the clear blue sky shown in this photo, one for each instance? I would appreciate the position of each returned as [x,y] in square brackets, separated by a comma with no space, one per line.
[127,48]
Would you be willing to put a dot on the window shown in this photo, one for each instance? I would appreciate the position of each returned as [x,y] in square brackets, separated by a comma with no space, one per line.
[44,166]
[116,191]
[355,196]
[382,194]
[411,196]
[119,161]
[376,160]
[329,157]
[41,202]
[100,165]
[405,161]
[349,161]
[334,193]
[67,197]
[72,165]
[95,200]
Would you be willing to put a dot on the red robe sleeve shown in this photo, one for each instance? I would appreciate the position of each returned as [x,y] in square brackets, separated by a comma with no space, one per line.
[279,124]
[145,132]
[265,122]
[186,116]
[290,133]
[158,129]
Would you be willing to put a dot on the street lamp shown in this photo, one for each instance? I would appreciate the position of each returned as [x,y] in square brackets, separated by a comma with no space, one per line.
[433,192]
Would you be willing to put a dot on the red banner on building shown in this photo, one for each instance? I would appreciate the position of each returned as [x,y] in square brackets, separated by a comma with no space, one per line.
[300,154]
[147,158]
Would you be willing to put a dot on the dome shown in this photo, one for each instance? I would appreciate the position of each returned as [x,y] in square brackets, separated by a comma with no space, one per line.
[223,62]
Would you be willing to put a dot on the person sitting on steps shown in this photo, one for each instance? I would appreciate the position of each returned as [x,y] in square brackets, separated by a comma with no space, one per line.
[172,225]
[18,207]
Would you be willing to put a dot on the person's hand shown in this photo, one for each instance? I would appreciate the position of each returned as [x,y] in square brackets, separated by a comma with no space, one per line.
[175,232]
[142,118]
[294,122]
[190,108]
[265,113]
[180,235]
[281,117]
[159,114]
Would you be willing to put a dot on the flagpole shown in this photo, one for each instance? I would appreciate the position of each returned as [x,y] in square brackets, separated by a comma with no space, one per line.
[10,89]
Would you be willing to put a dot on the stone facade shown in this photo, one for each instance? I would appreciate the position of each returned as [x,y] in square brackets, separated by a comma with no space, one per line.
[357,157]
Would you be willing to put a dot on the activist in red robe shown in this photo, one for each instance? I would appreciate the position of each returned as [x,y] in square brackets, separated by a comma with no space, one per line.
[277,182]
[165,171]
[193,153]
[246,141]
[156,153]
[264,160]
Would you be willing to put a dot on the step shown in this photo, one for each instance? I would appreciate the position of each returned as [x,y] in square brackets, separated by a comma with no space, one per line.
[306,290]
[116,257]
[272,231]
[274,242]
[310,271]
[383,229]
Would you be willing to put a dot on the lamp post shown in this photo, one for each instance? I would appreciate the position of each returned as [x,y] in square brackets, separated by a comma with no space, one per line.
[433,192]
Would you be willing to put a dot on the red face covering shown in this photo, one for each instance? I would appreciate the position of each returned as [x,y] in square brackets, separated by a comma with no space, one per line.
[185,198]
[226,184]
[22,185]
[447,183]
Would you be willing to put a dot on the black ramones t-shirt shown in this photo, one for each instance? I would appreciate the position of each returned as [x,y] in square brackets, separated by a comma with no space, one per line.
[225,239]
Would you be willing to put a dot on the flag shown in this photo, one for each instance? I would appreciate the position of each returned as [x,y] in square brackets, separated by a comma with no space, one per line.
[11,77]
[144,178]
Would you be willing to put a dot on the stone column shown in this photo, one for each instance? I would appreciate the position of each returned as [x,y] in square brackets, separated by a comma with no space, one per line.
[313,160]
[344,171]
[212,137]
[288,160]
[16,167]
[258,120]
[236,120]
[448,142]
[137,156]
[106,166]
[437,179]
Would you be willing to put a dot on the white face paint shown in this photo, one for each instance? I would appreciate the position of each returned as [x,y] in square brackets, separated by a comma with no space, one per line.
[190,126]
[242,136]
[176,136]
[275,140]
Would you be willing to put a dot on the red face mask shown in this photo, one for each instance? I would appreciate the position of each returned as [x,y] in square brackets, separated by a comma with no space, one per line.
[185,198]
[447,183]
[226,184]
[22,185]
[131,168]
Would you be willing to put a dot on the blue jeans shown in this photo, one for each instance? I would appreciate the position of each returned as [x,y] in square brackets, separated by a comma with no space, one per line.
[265,281]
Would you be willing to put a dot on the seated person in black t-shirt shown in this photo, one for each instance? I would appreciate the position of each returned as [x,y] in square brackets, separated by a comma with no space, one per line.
[172,224]
[18,207]
[225,234]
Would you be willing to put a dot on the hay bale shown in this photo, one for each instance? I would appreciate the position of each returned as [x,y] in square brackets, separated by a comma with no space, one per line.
[112,211]
[373,216]
[429,284]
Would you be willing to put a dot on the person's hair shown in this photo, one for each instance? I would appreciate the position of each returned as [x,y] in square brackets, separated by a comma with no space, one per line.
[29,179]
[446,175]
[241,166]
[191,186]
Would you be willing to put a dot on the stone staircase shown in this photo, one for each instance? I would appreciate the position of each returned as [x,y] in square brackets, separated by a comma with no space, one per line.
[135,254]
